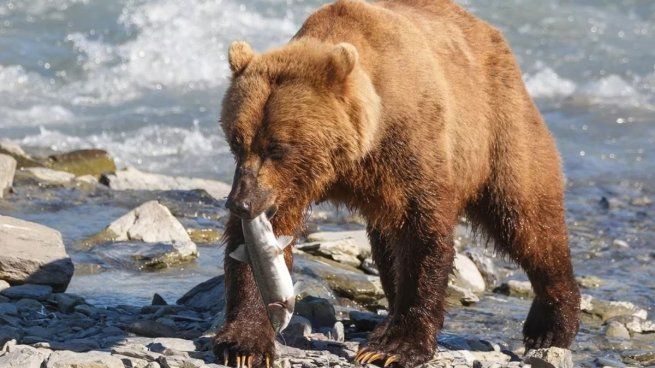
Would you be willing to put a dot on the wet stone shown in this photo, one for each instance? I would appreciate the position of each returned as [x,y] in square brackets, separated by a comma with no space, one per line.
[8,308]
[521,289]
[30,291]
[616,329]
[365,321]
[319,311]
[549,358]
[67,302]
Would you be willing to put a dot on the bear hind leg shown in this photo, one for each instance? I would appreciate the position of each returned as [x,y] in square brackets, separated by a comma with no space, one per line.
[533,233]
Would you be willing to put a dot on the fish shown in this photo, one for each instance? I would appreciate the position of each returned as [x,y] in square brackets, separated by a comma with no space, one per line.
[265,254]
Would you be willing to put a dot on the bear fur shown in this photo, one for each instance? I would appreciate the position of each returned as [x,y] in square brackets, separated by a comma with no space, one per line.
[413,113]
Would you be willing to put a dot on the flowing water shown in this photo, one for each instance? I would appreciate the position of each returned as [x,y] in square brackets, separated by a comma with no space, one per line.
[144,79]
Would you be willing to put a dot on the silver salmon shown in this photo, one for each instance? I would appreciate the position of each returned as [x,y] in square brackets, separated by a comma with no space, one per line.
[265,254]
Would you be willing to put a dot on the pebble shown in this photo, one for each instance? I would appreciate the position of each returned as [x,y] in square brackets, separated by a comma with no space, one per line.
[618,243]
[617,330]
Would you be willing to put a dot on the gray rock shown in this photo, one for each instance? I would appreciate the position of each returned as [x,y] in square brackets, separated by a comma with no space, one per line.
[299,326]
[158,329]
[158,300]
[3,285]
[8,333]
[521,289]
[32,253]
[632,323]
[45,175]
[338,332]
[86,309]
[319,311]
[7,171]
[138,351]
[23,356]
[640,358]
[348,247]
[163,343]
[28,305]
[369,267]
[29,291]
[152,222]
[462,295]
[8,308]
[466,274]
[549,358]
[77,345]
[180,362]
[133,179]
[69,359]
[617,330]
[67,302]
[206,296]
[485,265]
[609,362]
[344,280]
[619,243]
[609,309]
[365,321]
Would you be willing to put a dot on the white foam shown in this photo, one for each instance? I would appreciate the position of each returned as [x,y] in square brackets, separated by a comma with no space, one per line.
[546,83]
[151,148]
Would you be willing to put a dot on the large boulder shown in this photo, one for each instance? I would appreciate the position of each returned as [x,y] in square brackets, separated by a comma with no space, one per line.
[82,162]
[7,171]
[133,179]
[167,242]
[34,254]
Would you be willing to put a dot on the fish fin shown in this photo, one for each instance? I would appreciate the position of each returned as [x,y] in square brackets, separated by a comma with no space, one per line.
[284,241]
[240,254]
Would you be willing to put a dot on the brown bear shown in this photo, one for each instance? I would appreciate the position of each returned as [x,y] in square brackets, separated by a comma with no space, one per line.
[413,113]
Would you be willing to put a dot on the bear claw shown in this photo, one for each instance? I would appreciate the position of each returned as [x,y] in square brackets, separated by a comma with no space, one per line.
[366,356]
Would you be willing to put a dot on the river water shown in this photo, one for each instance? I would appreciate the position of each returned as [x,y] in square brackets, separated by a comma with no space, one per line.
[144,78]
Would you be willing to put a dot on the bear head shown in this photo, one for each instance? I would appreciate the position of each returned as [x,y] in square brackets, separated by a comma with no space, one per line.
[296,119]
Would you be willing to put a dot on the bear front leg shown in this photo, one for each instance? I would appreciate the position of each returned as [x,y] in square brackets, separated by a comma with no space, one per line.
[382,255]
[423,258]
[247,337]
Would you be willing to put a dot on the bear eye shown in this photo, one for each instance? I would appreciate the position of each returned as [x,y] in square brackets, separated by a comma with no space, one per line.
[275,151]
[235,146]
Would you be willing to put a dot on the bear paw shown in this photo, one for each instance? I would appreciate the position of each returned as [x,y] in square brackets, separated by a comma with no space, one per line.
[550,324]
[395,354]
[239,348]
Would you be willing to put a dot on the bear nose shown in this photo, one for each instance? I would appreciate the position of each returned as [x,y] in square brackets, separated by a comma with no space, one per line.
[240,208]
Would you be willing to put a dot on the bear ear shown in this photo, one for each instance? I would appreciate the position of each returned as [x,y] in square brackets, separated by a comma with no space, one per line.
[239,56]
[341,61]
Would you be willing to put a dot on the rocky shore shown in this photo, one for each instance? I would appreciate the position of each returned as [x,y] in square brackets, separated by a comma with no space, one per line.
[161,224]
